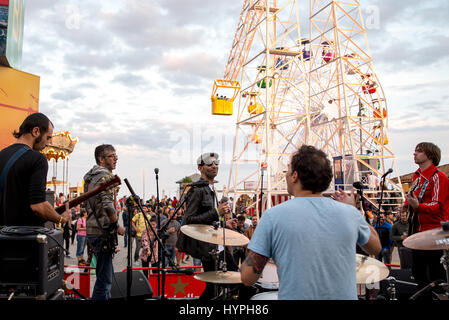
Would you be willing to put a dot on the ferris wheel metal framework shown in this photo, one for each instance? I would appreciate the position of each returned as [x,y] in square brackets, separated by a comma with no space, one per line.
[319,90]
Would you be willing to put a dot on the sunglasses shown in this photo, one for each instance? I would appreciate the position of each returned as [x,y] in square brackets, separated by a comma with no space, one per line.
[211,162]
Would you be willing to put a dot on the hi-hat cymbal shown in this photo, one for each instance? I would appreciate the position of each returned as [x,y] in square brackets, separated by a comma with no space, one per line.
[209,234]
[219,277]
[369,270]
[435,239]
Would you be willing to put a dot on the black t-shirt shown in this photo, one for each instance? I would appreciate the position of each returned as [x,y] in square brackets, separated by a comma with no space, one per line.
[25,185]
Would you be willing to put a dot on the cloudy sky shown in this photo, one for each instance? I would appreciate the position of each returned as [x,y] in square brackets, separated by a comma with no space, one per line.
[138,74]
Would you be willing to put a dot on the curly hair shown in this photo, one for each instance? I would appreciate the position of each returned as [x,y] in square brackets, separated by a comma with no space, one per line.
[313,168]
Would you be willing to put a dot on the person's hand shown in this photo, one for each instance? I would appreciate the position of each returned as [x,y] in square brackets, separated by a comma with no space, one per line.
[231,223]
[121,230]
[412,200]
[171,230]
[66,215]
[223,208]
[343,197]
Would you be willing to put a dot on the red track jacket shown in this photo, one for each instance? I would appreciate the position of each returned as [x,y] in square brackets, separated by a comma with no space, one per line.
[434,207]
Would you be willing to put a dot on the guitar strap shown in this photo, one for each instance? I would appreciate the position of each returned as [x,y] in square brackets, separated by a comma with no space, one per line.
[9,164]
[5,171]
[420,196]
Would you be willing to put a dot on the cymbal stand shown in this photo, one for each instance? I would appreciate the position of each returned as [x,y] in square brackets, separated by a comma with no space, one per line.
[391,288]
[445,261]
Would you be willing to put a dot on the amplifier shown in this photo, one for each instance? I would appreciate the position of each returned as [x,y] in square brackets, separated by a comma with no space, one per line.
[31,262]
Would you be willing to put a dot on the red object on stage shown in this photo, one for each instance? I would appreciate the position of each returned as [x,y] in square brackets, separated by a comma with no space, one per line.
[77,279]
[177,285]
[275,200]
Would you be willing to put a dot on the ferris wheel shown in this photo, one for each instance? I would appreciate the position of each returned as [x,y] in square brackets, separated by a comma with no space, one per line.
[296,81]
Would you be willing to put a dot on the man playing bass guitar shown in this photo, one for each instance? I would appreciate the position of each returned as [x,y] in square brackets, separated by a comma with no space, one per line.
[102,226]
[428,205]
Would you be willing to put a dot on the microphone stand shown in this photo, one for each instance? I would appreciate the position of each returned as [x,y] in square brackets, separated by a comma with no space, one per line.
[156,171]
[130,208]
[261,192]
[158,239]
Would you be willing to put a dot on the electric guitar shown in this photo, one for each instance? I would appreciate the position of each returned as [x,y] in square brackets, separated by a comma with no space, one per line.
[111,242]
[412,216]
[113,182]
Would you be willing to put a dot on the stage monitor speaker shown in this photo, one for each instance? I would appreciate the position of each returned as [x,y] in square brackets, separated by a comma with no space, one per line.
[140,287]
[31,262]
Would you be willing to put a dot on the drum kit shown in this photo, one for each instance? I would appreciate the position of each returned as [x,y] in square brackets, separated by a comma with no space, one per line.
[219,236]
[434,239]
[368,270]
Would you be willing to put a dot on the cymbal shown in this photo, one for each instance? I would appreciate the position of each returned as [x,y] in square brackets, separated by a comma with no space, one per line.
[209,234]
[219,277]
[435,239]
[369,270]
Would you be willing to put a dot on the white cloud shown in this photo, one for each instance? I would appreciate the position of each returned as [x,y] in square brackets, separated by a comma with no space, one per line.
[138,74]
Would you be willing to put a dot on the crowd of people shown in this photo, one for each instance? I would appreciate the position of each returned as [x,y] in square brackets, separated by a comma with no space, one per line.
[311,238]
[145,246]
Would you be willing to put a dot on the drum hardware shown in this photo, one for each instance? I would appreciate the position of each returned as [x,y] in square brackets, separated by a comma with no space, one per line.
[215,234]
[391,290]
[434,239]
[273,295]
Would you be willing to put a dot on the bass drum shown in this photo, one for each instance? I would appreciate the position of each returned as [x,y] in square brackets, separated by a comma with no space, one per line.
[272,295]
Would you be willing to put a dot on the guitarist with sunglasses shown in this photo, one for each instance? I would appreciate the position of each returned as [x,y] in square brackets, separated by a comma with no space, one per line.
[427,204]
[102,226]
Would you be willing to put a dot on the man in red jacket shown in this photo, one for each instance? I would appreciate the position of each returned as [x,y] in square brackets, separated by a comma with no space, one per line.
[428,204]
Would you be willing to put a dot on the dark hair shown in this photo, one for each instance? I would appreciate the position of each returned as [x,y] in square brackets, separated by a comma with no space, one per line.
[431,150]
[34,120]
[153,219]
[241,217]
[313,168]
[100,151]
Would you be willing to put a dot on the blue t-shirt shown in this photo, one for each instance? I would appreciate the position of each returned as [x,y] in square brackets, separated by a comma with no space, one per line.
[312,241]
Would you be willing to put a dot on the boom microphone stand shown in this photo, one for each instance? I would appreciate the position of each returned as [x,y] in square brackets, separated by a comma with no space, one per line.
[382,188]
[156,171]
[130,205]
[158,239]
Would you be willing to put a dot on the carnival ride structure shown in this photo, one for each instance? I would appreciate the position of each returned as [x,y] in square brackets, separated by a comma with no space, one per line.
[301,72]
[61,147]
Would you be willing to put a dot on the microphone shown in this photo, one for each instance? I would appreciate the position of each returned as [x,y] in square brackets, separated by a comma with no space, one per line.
[198,184]
[358,185]
[387,173]
[156,170]
[426,289]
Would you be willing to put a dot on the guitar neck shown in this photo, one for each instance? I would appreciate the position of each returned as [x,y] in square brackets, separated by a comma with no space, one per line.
[79,200]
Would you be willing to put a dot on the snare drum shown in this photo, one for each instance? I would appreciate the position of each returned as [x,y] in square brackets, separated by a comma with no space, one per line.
[273,295]
[269,278]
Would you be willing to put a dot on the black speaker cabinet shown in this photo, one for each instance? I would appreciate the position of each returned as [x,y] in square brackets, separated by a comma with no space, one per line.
[31,263]
[140,288]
